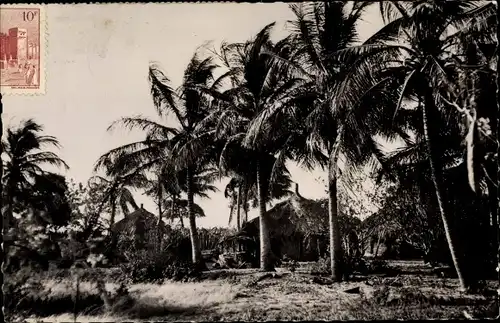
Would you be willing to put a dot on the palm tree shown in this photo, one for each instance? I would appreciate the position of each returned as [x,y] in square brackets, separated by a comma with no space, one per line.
[233,191]
[335,124]
[169,185]
[182,146]
[423,38]
[259,84]
[23,158]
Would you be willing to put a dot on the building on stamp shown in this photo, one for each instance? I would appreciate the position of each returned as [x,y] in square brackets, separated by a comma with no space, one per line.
[17,47]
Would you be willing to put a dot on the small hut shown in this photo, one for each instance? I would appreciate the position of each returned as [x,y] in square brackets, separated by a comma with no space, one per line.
[298,228]
[139,229]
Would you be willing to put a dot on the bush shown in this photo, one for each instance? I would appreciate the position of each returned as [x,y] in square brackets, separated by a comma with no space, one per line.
[351,266]
[321,267]
[154,267]
[173,261]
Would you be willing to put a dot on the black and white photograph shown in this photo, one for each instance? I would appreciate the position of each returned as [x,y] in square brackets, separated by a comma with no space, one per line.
[243,162]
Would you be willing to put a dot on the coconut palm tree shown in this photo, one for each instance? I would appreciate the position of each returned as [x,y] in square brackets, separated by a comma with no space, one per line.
[23,158]
[335,123]
[259,84]
[182,146]
[423,37]
[169,185]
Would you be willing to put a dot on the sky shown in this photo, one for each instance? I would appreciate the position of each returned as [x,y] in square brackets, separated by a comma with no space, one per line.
[96,71]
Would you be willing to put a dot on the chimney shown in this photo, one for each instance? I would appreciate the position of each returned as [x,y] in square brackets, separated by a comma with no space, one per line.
[142,206]
[297,189]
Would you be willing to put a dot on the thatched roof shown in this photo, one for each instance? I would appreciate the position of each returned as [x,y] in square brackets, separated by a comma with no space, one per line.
[298,214]
[139,223]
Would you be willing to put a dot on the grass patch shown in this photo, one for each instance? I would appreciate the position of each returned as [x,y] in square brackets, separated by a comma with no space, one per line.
[229,296]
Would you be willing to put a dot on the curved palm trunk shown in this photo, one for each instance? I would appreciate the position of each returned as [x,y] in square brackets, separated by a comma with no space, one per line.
[335,239]
[266,263]
[436,179]
[472,168]
[195,243]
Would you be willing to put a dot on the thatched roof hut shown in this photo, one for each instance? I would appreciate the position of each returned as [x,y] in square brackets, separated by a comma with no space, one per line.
[139,227]
[298,227]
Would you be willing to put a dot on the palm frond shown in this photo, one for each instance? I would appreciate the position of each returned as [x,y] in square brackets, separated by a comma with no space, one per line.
[164,96]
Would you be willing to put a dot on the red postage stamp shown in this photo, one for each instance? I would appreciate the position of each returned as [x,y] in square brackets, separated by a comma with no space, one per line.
[22,49]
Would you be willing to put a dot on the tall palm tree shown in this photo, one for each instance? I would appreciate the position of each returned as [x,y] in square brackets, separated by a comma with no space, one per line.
[23,158]
[184,145]
[335,123]
[423,37]
[258,85]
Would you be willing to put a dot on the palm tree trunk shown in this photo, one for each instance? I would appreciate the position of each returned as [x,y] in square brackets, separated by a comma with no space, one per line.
[195,243]
[436,179]
[265,241]
[335,244]
[335,239]
[472,168]
[158,226]
[238,209]
[111,224]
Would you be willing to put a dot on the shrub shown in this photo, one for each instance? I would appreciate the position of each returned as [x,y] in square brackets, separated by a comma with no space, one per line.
[172,261]
[154,267]
[321,267]
[351,266]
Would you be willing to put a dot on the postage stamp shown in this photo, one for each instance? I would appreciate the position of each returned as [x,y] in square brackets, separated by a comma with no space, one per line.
[22,49]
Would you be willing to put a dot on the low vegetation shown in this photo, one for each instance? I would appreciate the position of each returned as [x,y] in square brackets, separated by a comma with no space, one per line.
[249,295]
